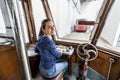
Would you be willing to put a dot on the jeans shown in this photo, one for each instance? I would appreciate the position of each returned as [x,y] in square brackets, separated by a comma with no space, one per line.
[58,68]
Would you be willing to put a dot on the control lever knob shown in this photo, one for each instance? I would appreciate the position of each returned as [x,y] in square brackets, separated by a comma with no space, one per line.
[70,47]
[67,49]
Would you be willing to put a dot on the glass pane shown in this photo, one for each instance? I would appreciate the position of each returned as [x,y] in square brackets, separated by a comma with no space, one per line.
[6,35]
[68,16]
[38,14]
[110,36]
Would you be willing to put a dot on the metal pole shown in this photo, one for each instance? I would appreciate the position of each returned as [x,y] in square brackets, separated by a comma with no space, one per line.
[16,25]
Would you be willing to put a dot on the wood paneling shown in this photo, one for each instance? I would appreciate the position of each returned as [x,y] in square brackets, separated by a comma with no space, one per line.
[34,65]
[101,65]
[30,21]
[9,64]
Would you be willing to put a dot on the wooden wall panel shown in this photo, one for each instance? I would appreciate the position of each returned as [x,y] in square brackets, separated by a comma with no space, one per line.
[101,65]
[34,65]
[9,64]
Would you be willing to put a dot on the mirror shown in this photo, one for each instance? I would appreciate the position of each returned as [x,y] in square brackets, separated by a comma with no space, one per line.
[75,20]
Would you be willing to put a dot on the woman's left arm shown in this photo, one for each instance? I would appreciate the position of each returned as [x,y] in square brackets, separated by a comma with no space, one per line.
[53,50]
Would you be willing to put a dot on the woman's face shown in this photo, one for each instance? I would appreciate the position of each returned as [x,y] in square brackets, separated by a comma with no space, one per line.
[49,28]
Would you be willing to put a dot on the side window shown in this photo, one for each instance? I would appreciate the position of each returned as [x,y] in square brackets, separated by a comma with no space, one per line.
[110,36]
[68,16]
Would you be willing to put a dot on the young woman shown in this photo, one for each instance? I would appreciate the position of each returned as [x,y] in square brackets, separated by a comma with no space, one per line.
[49,66]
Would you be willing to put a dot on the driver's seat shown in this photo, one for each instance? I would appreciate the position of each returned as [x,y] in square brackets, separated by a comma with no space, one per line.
[58,77]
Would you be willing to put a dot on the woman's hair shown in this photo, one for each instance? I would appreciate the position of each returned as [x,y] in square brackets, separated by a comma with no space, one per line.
[43,24]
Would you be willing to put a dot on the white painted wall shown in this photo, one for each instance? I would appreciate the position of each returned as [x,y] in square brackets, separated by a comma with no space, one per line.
[111,30]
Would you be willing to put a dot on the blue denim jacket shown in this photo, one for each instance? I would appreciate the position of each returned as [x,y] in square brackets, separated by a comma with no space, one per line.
[48,52]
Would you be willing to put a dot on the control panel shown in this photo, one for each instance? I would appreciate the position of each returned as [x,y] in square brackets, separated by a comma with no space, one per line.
[67,50]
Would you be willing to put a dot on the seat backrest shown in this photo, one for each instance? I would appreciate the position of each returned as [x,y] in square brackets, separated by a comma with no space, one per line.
[58,77]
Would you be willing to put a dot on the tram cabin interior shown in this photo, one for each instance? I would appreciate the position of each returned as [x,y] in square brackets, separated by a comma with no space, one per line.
[89,31]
